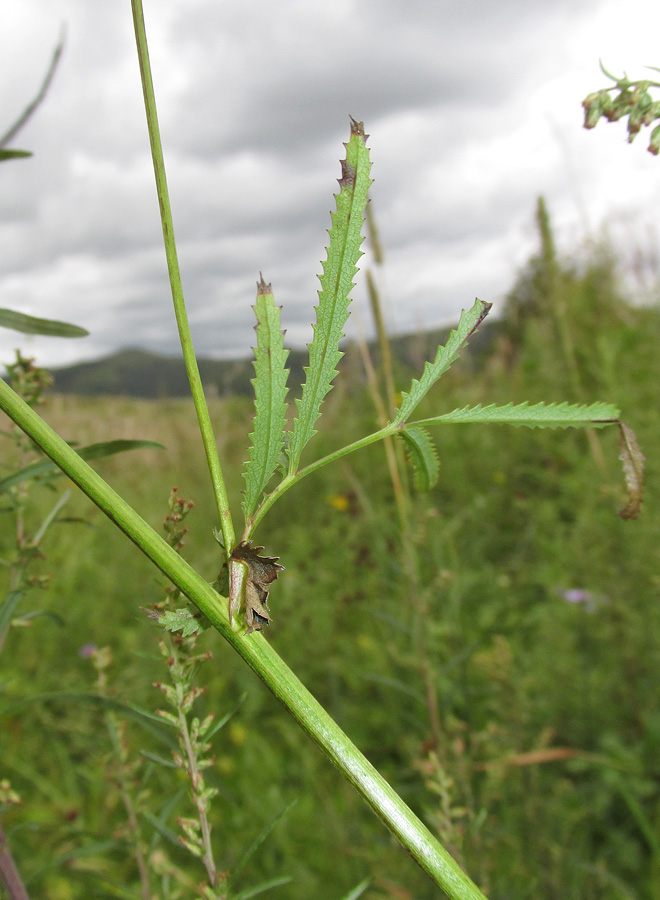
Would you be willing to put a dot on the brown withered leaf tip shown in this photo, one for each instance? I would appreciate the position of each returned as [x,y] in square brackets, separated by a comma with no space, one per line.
[358,128]
[262,571]
[264,287]
[633,470]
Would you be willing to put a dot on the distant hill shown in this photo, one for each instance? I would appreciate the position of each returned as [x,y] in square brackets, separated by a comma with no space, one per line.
[138,373]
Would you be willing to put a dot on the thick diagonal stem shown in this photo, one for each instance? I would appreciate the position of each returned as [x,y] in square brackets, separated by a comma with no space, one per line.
[258,654]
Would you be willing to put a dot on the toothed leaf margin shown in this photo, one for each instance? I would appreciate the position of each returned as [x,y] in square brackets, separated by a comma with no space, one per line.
[336,283]
[423,456]
[539,415]
[468,323]
[270,390]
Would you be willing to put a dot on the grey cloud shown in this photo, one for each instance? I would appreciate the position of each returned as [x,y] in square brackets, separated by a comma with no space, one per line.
[254,100]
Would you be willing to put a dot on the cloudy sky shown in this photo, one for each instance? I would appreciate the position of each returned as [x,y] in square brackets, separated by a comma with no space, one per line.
[473,108]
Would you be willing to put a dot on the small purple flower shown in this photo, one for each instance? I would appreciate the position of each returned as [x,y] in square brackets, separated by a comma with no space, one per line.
[87,650]
[577,595]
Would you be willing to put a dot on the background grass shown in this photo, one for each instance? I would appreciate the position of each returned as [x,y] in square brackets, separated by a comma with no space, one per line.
[519,519]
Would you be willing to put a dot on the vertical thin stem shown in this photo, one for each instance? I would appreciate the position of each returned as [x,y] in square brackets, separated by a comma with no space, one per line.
[9,874]
[393,468]
[196,389]
[101,660]
[195,779]
[396,467]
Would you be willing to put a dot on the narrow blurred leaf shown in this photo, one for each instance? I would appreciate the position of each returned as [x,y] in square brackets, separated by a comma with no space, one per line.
[358,890]
[267,438]
[7,608]
[46,614]
[257,889]
[633,470]
[14,154]
[258,841]
[33,105]
[162,829]
[50,518]
[46,468]
[336,283]
[80,852]
[226,718]
[468,323]
[17,321]
[113,891]
[160,760]
[540,415]
[396,685]
[145,718]
[423,456]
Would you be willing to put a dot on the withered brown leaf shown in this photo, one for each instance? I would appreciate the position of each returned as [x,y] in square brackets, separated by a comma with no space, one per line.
[633,470]
[262,571]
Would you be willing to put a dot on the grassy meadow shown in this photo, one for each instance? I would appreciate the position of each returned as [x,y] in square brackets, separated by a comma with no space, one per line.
[508,690]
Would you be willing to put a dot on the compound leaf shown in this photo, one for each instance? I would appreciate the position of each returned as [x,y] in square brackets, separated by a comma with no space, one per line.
[267,438]
[336,283]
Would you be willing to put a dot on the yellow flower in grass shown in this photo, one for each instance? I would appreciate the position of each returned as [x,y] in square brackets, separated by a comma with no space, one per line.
[226,765]
[237,733]
[337,501]
[366,642]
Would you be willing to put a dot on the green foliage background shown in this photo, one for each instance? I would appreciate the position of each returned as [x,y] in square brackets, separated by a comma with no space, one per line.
[518,519]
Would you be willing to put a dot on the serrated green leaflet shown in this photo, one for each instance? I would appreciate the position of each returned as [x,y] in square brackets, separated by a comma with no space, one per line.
[423,456]
[336,283]
[270,390]
[445,356]
[17,321]
[540,415]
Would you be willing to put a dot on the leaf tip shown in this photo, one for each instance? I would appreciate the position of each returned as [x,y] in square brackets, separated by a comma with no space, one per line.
[485,308]
[263,287]
[357,128]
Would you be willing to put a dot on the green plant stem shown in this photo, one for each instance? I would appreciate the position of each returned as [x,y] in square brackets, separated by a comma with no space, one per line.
[32,107]
[401,498]
[289,480]
[257,653]
[191,755]
[192,368]
[127,800]
[123,783]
